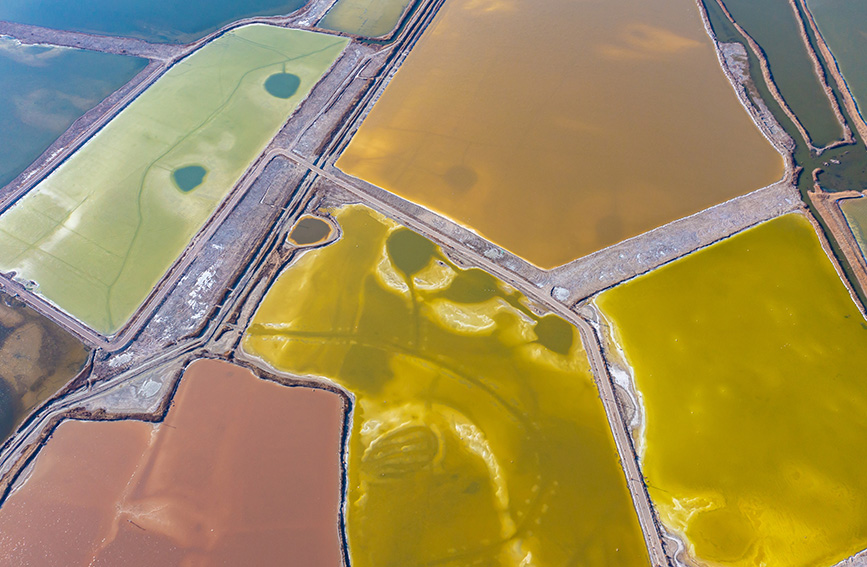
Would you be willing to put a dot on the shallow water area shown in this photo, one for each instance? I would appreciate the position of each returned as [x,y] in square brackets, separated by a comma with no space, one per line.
[585,123]
[43,90]
[310,230]
[773,25]
[855,211]
[842,25]
[282,85]
[189,177]
[240,468]
[749,355]
[37,359]
[151,20]
[367,18]
[478,436]
[99,232]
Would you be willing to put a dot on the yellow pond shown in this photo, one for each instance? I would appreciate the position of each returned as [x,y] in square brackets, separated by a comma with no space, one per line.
[750,356]
[478,437]
[558,128]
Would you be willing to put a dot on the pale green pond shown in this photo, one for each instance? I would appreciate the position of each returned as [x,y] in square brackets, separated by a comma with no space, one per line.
[101,230]
[855,211]
[369,18]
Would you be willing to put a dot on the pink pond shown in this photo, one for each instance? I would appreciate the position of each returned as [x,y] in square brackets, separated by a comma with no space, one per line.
[241,472]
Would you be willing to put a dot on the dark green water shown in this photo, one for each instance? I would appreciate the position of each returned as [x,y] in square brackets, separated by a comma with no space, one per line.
[282,85]
[44,90]
[37,359]
[310,230]
[189,177]
[165,21]
[843,24]
[773,25]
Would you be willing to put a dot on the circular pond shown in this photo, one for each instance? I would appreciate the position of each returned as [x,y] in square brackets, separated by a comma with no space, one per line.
[310,230]
[282,85]
[189,177]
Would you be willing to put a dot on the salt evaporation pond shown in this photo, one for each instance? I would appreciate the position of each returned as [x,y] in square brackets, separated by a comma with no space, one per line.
[241,468]
[750,357]
[478,435]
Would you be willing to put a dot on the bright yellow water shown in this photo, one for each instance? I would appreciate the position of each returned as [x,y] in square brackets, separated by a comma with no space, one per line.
[478,437]
[558,128]
[751,358]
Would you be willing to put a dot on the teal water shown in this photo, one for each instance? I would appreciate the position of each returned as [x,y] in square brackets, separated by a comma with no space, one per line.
[282,85]
[189,177]
[44,90]
[773,25]
[843,24]
[164,21]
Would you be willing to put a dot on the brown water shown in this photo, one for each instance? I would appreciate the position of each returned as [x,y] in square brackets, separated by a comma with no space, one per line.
[558,128]
[37,358]
[241,472]
[310,230]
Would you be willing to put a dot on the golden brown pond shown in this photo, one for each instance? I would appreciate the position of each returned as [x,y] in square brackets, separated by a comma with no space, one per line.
[558,128]
[478,437]
[37,358]
[241,468]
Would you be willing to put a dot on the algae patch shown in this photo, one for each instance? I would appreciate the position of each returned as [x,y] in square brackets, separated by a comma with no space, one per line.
[478,436]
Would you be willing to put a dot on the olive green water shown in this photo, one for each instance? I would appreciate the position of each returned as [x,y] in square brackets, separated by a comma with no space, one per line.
[310,230]
[773,25]
[100,232]
[843,24]
[43,90]
[478,437]
[37,358]
[750,356]
[370,18]
[855,211]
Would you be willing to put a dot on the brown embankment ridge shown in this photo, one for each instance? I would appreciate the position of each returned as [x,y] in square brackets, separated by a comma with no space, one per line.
[828,208]
[834,69]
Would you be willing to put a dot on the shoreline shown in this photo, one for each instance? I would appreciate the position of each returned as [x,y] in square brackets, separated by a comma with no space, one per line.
[675,544]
